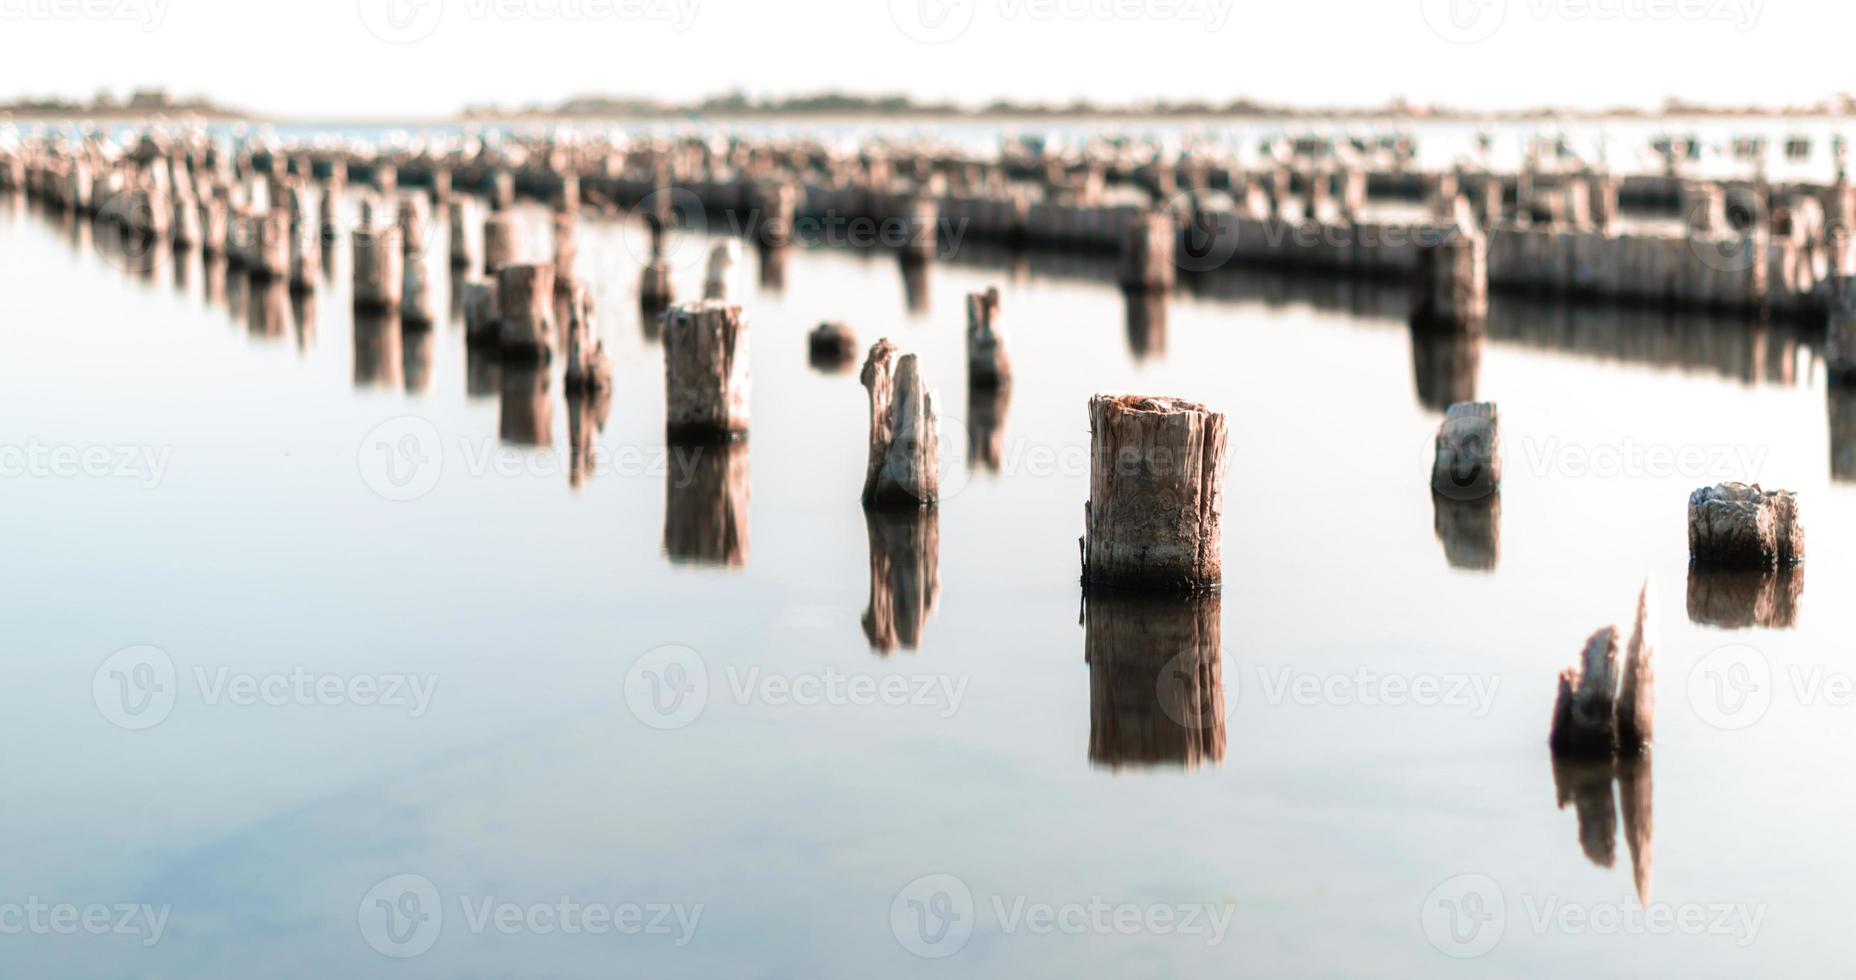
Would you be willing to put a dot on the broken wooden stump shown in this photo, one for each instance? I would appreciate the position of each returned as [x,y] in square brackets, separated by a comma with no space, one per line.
[1147,247]
[379,268]
[904,466]
[831,346]
[525,303]
[1154,518]
[706,374]
[988,365]
[905,576]
[589,367]
[1606,707]
[410,216]
[1468,464]
[1737,524]
[459,213]
[1156,680]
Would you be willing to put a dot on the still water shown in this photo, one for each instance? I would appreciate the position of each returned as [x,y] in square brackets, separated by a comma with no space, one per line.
[423,661]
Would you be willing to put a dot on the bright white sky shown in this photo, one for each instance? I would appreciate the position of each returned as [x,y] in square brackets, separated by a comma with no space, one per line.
[326,58]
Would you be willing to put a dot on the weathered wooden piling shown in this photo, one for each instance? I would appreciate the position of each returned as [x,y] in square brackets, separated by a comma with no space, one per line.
[1154,518]
[305,258]
[1452,283]
[379,268]
[1704,207]
[988,364]
[831,346]
[904,466]
[1468,464]
[525,299]
[458,218]
[483,314]
[271,250]
[773,206]
[418,296]
[589,367]
[1840,329]
[1737,524]
[1607,707]
[707,380]
[566,249]
[1147,245]
[720,281]
[410,215]
[499,242]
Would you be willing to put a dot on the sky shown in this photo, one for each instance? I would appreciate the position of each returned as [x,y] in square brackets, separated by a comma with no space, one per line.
[362,59]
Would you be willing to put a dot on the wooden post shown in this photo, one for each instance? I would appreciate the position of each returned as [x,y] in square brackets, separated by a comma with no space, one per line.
[905,576]
[1156,495]
[589,367]
[566,249]
[1840,329]
[831,346]
[988,365]
[525,297]
[706,375]
[1468,465]
[1147,251]
[418,300]
[483,314]
[305,258]
[1737,524]
[410,214]
[499,242]
[379,269]
[458,213]
[1607,707]
[904,466]
[922,216]
[1452,283]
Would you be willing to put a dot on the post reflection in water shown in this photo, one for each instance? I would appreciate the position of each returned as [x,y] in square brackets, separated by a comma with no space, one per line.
[1725,346]
[1587,786]
[214,274]
[707,496]
[1146,316]
[1842,403]
[915,284]
[1471,531]
[185,271]
[986,413]
[586,419]
[483,372]
[1446,365]
[377,359]
[303,308]
[269,309]
[526,410]
[419,346]
[1743,598]
[905,575]
[773,267]
[1156,679]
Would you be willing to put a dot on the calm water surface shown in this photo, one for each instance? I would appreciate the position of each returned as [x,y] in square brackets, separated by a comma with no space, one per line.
[1329,825]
